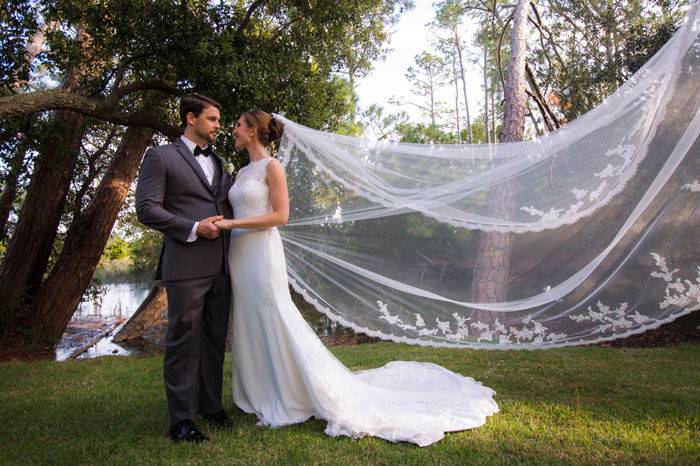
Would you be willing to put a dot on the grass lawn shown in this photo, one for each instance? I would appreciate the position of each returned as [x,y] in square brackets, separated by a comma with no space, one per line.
[574,405]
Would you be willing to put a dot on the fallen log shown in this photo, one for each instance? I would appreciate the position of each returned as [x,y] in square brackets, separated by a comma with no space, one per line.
[152,310]
[92,342]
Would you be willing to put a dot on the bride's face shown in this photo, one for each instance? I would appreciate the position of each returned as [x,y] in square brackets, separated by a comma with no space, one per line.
[243,134]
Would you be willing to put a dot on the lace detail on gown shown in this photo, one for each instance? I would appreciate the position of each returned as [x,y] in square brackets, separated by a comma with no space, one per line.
[284,374]
[250,195]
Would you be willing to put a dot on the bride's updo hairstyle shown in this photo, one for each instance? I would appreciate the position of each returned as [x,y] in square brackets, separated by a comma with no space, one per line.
[269,128]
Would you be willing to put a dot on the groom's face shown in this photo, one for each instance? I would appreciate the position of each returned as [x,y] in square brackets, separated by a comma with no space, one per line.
[207,124]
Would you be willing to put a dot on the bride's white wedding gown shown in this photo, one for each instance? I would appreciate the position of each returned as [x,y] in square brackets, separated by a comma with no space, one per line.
[284,374]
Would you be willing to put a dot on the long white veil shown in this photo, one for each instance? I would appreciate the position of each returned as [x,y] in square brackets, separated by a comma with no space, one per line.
[604,222]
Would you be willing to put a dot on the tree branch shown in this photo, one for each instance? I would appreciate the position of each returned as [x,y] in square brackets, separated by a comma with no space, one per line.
[100,109]
[238,35]
[498,48]
[149,85]
[555,47]
[542,111]
[93,171]
[284,28]
[539,99]
[588,39]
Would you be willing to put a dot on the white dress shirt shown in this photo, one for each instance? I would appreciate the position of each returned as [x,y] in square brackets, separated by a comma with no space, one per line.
[207,164]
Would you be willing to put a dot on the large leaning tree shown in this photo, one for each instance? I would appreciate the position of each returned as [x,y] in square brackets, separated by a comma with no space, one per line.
[90,85]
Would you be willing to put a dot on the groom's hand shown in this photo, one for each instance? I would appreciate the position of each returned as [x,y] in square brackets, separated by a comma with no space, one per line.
[207,229]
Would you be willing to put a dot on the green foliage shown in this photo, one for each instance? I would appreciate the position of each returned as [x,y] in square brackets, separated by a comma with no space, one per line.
[283,59]
[380,124]
[145,252]
[18,20]
[345,122]
[599,45]
[420,133]
[117,248]
[645,37]
[427,75]
[478,132]
[283,56]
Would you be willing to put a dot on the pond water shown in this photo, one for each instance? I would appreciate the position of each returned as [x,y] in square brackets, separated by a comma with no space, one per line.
[100,316]
[97,319]
[115,300]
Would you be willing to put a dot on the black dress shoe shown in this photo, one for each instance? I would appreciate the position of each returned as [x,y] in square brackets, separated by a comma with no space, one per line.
[186,431]
[219,420]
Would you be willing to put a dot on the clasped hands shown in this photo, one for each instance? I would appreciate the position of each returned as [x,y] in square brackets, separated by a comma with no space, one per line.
[210,227]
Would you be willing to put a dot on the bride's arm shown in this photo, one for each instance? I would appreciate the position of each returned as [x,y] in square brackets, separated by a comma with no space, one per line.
[279,198]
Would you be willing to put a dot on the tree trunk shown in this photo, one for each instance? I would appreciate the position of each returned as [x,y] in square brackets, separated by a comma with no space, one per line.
[31,244]
[533,119]
[486,93]
[493,111]
[495,83]
[32,241]
[150,312]
[351,82]
[9,190]
[34,45]
[20,77]
[464,88]
[493,258]
[61,292]
[456,80]
[536,93]
[94,171]
[432,96]
[86,346]
[514,92]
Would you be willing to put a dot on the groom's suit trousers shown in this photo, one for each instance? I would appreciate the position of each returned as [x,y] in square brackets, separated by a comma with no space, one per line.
[198,315]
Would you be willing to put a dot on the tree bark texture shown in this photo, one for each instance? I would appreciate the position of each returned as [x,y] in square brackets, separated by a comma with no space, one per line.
[492,267]
[29,250]
[486,94]
[464,88]
[9,189]
[455,77]
[61,292]
[31,244]
[21,76]
[101,109]
[151,311]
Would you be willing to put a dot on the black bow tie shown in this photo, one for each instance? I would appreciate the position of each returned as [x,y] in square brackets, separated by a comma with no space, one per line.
[205,152]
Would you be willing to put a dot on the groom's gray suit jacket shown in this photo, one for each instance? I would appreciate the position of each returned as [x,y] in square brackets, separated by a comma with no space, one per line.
[172,193]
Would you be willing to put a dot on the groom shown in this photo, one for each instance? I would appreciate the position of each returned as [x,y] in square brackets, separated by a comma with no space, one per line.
[182,189]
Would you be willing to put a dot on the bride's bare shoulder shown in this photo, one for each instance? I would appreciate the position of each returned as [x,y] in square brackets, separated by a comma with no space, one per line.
[274,171]
[274,165]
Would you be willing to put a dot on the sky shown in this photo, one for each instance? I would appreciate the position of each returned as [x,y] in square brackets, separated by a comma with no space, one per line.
[410,36]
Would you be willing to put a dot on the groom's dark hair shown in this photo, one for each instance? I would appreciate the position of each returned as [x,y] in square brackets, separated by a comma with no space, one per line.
[195,103]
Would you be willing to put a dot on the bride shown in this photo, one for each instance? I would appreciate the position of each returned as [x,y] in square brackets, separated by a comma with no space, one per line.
[281,370]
